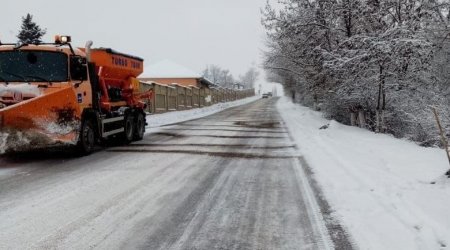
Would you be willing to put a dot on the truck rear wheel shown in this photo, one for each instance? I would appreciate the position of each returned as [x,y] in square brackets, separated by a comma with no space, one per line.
[139,129]
[86,141]
[128,134]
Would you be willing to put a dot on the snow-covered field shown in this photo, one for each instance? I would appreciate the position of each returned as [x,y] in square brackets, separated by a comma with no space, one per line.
[379,186]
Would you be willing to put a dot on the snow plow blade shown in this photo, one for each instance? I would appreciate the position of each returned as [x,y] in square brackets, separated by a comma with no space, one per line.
[44,121]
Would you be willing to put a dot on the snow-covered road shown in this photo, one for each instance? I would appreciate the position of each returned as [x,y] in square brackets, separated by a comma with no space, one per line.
[232,180]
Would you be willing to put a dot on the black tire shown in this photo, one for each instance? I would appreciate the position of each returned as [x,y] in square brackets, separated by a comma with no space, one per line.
[139,129]
[86,141]
[128,134]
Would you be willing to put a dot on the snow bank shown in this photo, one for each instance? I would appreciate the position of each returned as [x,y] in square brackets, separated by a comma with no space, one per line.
[23,88]
[158,120]
[379,186]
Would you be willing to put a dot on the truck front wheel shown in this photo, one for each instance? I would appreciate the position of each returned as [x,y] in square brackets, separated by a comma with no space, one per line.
[86,141]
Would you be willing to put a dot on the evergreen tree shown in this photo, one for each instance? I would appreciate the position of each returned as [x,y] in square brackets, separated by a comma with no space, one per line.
[30,32]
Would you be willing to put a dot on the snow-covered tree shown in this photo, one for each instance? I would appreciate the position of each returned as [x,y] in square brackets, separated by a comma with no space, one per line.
[30,32]
[383,60]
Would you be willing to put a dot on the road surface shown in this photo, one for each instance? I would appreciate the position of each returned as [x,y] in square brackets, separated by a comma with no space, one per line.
[232,180]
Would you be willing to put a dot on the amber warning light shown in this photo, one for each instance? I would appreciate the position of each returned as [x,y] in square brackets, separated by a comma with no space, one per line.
[62,39]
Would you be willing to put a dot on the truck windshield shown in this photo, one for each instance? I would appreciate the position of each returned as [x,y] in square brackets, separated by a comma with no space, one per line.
[33,66]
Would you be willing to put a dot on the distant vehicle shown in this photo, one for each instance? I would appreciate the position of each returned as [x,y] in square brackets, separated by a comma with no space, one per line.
[267,95]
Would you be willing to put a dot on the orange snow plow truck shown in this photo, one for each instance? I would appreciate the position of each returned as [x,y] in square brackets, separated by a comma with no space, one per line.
[52,94]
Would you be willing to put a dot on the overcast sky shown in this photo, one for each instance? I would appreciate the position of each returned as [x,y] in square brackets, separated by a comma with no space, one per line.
[193,33]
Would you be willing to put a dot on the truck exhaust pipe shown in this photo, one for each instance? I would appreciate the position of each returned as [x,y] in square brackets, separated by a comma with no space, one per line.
[88,50]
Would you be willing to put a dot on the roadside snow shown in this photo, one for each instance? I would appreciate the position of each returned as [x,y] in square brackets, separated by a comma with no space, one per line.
[379,186]
[159,120]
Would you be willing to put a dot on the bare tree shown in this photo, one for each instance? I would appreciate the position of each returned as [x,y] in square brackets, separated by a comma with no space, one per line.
[219,76]
[213,73]
[249,78]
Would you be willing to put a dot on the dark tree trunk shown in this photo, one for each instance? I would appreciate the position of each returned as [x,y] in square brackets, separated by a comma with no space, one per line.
[381,103]
[353,121]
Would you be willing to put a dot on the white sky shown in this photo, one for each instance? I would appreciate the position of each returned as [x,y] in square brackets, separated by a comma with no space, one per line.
[193,33]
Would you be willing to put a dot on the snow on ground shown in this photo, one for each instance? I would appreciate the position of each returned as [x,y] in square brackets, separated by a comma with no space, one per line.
[379,186]
[159,120]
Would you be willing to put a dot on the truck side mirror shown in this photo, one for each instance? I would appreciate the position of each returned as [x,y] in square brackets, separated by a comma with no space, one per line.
[78,68]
